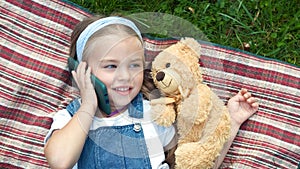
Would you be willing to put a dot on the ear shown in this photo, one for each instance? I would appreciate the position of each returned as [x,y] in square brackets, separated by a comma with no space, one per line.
[193,45]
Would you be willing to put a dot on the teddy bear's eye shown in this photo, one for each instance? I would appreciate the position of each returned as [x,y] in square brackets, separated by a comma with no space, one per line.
[168,65]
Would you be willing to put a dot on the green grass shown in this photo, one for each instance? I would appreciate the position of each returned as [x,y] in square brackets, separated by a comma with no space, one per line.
[270,27]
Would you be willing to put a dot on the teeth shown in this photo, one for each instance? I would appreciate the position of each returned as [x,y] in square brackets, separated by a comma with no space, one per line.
[122,89]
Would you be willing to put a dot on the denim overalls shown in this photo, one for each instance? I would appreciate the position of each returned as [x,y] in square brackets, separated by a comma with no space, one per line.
[115,146]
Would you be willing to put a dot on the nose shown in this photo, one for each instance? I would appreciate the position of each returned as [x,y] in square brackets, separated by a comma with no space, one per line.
[160,76]
[123,74]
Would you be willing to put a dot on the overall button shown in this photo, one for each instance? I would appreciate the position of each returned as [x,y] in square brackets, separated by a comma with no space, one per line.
[137,127]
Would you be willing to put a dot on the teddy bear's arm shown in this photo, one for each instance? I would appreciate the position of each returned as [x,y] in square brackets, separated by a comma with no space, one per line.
[162,100]
[163,111]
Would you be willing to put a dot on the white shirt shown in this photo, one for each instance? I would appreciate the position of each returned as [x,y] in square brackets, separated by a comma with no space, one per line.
[156,137]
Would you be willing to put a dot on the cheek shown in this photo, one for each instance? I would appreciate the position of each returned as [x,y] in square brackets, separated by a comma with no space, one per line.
[138,78]
[104,77]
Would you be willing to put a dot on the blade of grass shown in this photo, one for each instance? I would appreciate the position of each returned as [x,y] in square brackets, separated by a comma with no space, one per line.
[238,38]
[247,11]
[235,20]
[273,52]
[257,32]
[205,9]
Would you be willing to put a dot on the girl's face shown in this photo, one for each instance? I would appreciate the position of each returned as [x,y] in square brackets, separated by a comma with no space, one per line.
[119,64]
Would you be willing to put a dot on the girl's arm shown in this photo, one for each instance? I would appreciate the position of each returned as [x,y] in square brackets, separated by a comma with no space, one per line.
[64,147]
[241,107]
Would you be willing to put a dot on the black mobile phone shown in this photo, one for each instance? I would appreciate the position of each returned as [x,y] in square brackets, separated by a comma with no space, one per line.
[100,88]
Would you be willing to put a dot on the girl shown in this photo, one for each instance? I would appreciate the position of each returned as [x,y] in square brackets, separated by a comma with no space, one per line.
[112,49]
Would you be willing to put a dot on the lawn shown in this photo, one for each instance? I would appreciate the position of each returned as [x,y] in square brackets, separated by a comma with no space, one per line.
[269,28]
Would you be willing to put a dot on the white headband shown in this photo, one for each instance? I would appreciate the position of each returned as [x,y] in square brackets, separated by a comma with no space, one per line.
[97,25]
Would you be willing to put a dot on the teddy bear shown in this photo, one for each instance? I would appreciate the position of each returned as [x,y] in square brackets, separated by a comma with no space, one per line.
[200,116]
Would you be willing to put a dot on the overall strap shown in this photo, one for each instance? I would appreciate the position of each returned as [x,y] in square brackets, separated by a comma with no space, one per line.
[135,108]
[73,106]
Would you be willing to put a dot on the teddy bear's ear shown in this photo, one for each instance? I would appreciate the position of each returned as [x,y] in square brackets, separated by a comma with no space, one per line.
[193,44]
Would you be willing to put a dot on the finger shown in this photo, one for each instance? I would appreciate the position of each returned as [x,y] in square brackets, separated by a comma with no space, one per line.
[82,73]
[243,91]
[88,76]
[255,105]
[247,95]
[74,74]
[81,68]
[251,100]
[237,98]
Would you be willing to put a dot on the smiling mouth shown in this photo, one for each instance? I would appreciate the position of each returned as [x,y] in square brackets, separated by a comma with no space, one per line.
[122,89]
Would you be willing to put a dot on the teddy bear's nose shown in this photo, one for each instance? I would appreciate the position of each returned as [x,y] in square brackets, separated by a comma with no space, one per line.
[160,76]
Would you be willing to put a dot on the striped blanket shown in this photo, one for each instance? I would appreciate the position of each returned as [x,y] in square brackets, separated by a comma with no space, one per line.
[34,84]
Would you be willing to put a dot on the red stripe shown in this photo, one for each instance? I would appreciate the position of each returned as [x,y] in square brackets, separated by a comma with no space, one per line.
[34,46]
[249,71]
[25,117]
[264,90]
[23,101]
[290,119]
[9,166]
[44,105]
[26,150]
[39,10]
[287,99]
[251,160]
[26,158]
[73,8]
[160,42]
[263,146]
[33,64]
[38,85]
[271,131]
[249,56]
[20,135]
[37,30]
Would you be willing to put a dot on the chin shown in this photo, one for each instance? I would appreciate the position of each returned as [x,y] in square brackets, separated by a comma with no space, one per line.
[119,102]
[123,100]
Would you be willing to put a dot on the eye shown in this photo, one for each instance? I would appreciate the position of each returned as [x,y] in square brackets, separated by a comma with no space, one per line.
[110,66]
[168,65]
[135,65]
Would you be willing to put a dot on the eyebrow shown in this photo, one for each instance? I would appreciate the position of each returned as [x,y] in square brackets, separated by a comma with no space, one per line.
[107,60]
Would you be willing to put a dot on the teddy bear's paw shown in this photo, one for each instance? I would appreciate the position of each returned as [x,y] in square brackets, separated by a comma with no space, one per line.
[193,156]
[164,119]
[163,115]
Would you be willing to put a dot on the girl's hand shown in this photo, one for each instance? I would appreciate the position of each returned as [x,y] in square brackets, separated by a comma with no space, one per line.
[242,106]
[82,77]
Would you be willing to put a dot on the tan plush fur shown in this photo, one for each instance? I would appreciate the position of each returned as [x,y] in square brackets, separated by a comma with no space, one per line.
[202,120]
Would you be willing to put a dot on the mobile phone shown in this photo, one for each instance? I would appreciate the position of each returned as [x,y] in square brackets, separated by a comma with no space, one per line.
[100,88]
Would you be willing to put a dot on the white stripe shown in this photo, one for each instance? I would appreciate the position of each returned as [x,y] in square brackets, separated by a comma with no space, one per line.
[255,63]
[29,139]
[24,71]
[277,124]
[21,145]
[41,44]
[33,33]
[40,20]
[251,81]
[72,12]
[269,139]
[248,148]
